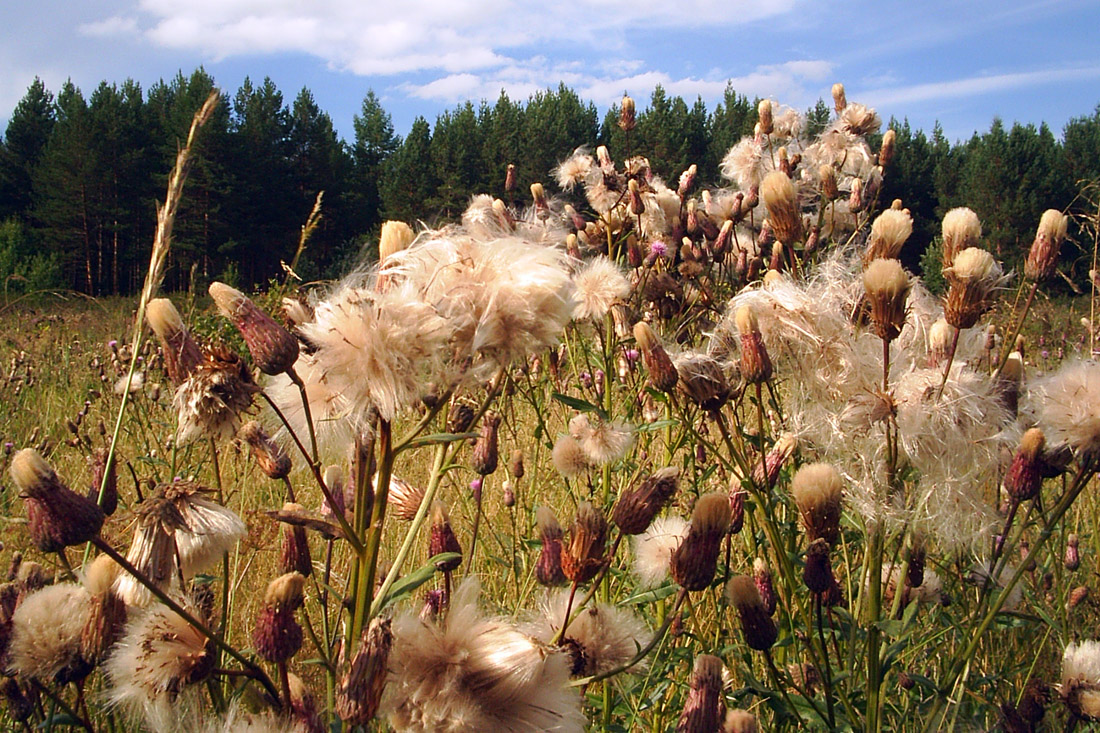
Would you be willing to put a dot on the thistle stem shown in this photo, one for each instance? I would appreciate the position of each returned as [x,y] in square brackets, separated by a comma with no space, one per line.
[368,559]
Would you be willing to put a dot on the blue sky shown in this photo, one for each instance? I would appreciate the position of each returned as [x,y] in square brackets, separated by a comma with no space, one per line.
[959,62]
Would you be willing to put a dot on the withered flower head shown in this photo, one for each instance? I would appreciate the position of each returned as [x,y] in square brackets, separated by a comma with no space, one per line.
[696,559]
[703,710]
[273,348]
[662,373]
[583,557]
[887,287]
[829,187]
[442,538]
[1042,258]
[703,380]
[765,585]
[973,278]
[548,568]
[106,611]
[1080,686]
[104,475]
[817,573]
[888,148]
[627,114]
[961,229]
[211,400]
[637,507]
[404,498]
[46,631]
[269,455]
[363,679]
[759,629]
[294,555]
[181,353]
[277,635]
[785,447]
[58,516]
[756,365]
[739,721]
[486,453]
[781,200]
[765,116]
[817,490]
[840,99]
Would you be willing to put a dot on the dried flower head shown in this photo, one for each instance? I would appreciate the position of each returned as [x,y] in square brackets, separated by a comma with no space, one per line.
[1067,407]
[961,229]
[157,658]
[781,200]
[739,721]
[860,120]
[703,711]
[599,285]
[273,348]
[486,452]
[1042,258]
[602,637]
[756,624]
[404,498]
[395,236]
[653,549]
[468,672]
[887,287]
[662,373]
[1024,477]
[696,559]
[548,568]
[756,365]
[294,555]
[636,508]
[569,457]
[973,278]
[277,636]
[1080,687]
[211,400]
[602,441]
[574,169]
[442,538]
[363,679]
[46,631]
[703,380]
[889,231]
[181,353]
[840,99]
[57,516]
[583,557]
[817,490]
[269,455]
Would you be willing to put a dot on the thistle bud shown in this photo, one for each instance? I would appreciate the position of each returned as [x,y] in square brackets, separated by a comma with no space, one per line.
[461,417]
[363,680]
[961,229]
[105,476]
[781,200]
[638,507]
[1072,559]
[765,585]
[627,114]
[662,374]
[181,353]
[548,568]
[277,636]
[1024,477]
[783,449]
[887,287]
[510,177]
[539,197]
[764,114]
[722,241]
[486,452]
[273,348]
[582,559]
[20,708]
[817,490]
[687,180]
[756,623]
[507,494]
[829,188]
[637,205]
[973,278]
[739,721]
[756,365]
[703,709]
[776,263]
[888,148]
[817,573]
[1042,258]
[855,197]
[57,516]
[1077,596]
[294,556]
[840,100]
[269,455]
[695,561]
[516,464]
[737,510]
[442,538]
[396,236]
[940,337]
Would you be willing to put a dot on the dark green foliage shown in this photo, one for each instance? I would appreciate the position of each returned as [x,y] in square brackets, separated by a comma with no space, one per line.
[84,173]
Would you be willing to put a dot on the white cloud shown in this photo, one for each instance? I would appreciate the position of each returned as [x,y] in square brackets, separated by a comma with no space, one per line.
[116,25]
[974,86]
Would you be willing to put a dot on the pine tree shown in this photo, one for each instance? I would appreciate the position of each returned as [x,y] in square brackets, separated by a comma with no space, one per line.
[375,141]
[410,180]
[25,138]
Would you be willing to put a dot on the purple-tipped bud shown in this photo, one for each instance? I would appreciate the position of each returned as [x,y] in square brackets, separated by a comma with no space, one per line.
[756,623]
[442,538]
[363,679]
[277,636]
[58,517]
[273,348]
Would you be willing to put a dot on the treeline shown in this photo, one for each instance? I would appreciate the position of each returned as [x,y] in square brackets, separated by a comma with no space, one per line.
[79,176]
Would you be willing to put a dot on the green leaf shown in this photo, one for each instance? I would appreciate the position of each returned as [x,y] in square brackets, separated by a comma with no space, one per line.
[655,426]
[650,596]
[438,438]
[578,404]
[411,581]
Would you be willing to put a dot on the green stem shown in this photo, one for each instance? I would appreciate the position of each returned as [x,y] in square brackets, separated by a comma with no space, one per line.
[1010,342]
[368,559]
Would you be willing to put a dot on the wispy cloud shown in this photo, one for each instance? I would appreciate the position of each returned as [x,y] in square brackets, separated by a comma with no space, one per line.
[116,25]
[974,86]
